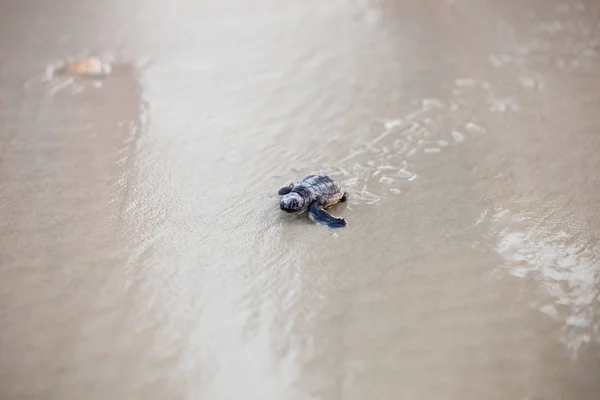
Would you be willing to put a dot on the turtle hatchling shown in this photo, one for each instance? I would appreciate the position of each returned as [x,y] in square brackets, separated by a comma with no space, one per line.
[314,193]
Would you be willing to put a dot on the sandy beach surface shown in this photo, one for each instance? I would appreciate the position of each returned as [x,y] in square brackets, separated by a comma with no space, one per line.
[143,254]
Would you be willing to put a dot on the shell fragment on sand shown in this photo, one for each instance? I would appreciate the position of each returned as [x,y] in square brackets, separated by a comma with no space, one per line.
[90,66]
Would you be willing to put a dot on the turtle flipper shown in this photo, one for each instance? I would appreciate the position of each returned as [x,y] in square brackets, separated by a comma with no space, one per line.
[285,190]
[319,215]
[344,197]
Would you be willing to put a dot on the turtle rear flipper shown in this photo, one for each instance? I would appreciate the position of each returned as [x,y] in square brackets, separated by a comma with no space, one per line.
[285,190]
[319,215]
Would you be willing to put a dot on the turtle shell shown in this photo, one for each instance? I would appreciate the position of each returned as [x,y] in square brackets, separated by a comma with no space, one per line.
[319,186]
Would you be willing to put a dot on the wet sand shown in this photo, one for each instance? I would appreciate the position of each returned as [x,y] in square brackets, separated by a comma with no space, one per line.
[143,254]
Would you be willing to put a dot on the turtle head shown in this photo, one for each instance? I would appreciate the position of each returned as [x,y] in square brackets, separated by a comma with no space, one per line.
[291,202]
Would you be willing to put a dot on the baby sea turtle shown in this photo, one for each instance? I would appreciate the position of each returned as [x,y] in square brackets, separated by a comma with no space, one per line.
[314,193]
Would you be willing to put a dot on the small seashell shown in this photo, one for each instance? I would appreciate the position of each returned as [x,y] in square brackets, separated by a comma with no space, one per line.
[91,66]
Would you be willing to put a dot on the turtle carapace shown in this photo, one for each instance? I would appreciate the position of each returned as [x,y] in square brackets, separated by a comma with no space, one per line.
[314,193]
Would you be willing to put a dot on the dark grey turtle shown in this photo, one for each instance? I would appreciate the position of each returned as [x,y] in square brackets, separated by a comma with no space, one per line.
[314,193]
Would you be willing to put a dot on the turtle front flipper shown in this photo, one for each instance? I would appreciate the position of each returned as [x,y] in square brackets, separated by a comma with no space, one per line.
[285,190]
[319,215]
